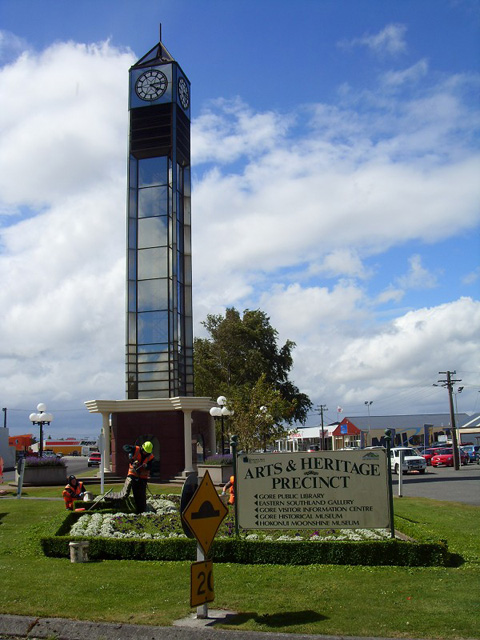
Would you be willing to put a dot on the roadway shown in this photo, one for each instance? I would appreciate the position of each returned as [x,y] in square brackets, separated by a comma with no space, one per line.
[443,483]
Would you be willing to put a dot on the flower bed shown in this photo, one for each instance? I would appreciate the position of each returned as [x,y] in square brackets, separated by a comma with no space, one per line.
[158,535]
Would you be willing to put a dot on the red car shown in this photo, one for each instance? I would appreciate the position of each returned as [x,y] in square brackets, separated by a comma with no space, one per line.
[94,459]
[429,453]
[445,456]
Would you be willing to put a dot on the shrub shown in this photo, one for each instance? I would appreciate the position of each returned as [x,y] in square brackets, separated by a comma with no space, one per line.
[237,550]
[219,459]
[32,461]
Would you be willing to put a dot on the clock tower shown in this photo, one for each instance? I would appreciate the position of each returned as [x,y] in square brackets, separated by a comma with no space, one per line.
[159,331]
[160,406]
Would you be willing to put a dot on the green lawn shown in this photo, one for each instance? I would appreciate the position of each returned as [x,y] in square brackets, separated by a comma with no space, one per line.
[332,600]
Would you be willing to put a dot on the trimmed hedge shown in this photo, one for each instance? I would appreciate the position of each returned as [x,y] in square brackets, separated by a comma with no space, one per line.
[370,553]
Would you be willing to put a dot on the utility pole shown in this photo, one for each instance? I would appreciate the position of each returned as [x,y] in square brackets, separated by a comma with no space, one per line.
[322,408]
[4,417]
[448,383]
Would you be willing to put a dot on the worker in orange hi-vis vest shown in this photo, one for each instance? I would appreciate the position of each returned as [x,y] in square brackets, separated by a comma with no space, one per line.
[230,487]
[140,460]
[74,490]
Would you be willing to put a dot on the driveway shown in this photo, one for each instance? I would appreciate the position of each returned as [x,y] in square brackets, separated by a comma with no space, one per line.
[443,483]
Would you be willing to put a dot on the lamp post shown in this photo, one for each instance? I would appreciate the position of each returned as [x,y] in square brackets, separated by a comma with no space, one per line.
[368,404]
[264,420]
[41,418]
[221,412]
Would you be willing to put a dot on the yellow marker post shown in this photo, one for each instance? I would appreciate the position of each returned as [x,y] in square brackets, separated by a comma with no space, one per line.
[202,590]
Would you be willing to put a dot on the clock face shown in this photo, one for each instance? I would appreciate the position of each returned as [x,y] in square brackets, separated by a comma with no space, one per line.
[183,94]
[151,85]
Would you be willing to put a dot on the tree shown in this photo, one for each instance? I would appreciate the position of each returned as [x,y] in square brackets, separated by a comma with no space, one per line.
[257,414]
[238,352]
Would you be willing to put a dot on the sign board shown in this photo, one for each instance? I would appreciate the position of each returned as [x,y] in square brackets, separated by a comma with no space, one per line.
[201,583]
[205,513]
[320,490]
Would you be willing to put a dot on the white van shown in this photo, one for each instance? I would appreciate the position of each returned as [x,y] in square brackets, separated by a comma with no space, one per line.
[408,458]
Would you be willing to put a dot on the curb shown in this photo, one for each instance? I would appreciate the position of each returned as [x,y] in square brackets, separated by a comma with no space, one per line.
[13,626]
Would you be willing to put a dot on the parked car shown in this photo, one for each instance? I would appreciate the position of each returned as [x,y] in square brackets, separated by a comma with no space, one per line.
[49,454]
[470,450]
[428,454]
[94,459]
[445,456]
[408,459]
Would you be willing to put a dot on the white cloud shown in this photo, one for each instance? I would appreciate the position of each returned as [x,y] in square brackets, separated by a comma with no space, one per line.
[66,134]
[10,45]
[242,132]
[391,362]
[390,294]
[408,343]
[62,182]
[344,262]
[413,74]
[390,40]
[472,277]
[417,277]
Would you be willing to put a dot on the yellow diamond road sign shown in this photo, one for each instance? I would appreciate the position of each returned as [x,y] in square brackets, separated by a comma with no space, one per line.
[204,513]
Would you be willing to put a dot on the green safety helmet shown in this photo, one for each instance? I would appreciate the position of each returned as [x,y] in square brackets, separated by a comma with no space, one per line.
[147,446]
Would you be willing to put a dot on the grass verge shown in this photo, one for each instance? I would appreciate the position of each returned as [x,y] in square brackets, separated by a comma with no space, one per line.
[333,600]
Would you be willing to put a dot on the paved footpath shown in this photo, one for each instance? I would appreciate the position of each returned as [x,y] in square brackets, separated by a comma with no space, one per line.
[188,629]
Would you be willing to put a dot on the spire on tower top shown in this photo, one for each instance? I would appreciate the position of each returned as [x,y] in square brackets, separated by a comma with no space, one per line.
[159,54]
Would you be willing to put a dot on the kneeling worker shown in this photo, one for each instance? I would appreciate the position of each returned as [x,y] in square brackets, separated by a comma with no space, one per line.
[230,487]
[140,460]
[73,490]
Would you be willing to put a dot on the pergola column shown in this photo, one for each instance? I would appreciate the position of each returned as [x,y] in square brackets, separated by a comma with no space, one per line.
[106,441]
[212,437]
[187,438]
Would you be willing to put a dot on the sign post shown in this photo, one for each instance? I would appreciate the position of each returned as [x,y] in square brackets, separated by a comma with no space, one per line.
[203,515]
[388,440]
[20,477]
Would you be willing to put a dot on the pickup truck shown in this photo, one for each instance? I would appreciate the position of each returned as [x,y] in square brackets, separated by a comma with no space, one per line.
[408,458]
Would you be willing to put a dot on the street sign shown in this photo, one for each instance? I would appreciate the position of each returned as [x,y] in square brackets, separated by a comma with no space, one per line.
[201,582]
[205,513]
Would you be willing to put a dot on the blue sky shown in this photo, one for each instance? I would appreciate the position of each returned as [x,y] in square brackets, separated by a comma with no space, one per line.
[335,162]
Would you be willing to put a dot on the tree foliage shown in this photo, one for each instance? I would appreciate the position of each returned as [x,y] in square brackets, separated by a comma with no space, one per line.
[258,414]
[242,360]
